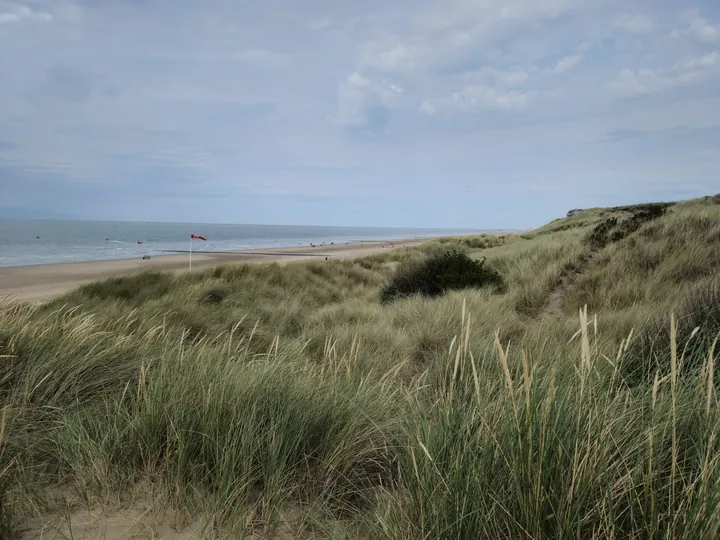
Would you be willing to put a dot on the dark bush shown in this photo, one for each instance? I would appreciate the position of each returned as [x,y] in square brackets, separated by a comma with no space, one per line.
[214,296]
[639,218]
[611,230]
[439,273]
[599,236]
[647,207]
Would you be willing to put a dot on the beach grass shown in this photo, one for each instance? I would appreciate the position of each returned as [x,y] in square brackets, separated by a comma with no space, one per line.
[289,401]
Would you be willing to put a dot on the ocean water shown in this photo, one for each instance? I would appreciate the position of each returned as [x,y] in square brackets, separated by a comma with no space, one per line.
[29,242]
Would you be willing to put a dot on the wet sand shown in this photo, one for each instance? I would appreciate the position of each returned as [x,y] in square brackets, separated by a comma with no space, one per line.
[42,282]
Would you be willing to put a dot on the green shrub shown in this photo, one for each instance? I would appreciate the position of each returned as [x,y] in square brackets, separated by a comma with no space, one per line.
[598,238]
[646,207]
[439,273]
[474,242]
[611,230]
[639,218]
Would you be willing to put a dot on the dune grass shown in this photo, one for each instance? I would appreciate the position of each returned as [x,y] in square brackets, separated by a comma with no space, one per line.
[288,401]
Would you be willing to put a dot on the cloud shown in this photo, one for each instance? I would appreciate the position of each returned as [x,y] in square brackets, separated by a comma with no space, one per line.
[483,97]
[467,35]
[365,103]
[567,63]
[703,30]
[487,89]
[478,98]
[689,71]
[74,85]
[427,108]
[704,62]
[411,99]
[318,25]
[22,13]
[696,27]
[635,82]
[503,77]
[396,59]
[648,81]
[634,23]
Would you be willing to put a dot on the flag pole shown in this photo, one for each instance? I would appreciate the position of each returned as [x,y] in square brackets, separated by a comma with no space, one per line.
[191,252]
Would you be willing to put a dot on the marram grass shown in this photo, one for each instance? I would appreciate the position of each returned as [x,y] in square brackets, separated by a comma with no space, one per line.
[287,401]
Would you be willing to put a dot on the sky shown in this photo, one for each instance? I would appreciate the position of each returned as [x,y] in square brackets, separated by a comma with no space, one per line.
[451,113]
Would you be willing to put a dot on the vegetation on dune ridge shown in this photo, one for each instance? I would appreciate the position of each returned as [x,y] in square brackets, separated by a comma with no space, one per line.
[439,273]
[290,401]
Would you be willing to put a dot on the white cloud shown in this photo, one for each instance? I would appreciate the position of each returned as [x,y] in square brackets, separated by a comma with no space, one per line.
[363,102]
[567,63]
[21,13]
[396,59]
[427,108]
[503,77]
[685,72]
[485,97]
[697,27]
[703,30]
[478,98]
[634,23]
[483,90]
[635,82]
[447,37]
[319,24]
[707,61]
[490,17]
[483,68]
[646,81]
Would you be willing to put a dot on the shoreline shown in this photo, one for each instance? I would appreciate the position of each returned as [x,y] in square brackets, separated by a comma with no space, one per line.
[271,249]
[39,282]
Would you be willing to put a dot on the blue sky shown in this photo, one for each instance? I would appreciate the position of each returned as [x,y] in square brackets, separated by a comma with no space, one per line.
[453,113]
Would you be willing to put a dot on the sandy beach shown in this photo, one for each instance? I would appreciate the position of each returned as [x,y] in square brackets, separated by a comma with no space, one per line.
[42,282]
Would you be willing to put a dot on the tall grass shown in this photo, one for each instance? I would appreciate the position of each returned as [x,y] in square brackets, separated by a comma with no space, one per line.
[256,396]
[532,454]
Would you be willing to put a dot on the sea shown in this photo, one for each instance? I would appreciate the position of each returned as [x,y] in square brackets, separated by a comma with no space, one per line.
[30,242]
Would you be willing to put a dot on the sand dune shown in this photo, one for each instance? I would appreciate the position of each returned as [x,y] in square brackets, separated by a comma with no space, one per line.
[41,282]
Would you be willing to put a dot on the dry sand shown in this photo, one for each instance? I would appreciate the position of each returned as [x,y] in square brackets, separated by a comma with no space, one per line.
[42,282]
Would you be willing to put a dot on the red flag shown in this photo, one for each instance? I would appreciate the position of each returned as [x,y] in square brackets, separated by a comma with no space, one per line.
[198,237]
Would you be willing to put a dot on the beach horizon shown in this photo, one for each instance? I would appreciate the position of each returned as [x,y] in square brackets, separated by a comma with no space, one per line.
[40,282]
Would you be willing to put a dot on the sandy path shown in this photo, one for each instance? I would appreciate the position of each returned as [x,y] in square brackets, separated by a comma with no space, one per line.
[40,282]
